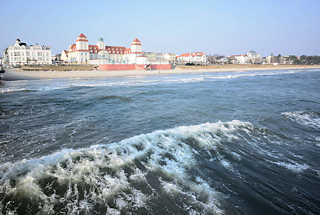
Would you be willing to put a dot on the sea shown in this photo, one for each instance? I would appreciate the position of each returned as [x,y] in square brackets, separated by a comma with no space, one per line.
[244,142]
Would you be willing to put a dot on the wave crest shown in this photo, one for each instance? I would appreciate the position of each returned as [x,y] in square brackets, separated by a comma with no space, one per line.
[309,119]
[131,175]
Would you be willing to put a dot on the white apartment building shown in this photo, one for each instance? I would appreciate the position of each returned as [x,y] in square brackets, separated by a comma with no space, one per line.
[22,54]
[250,58]
[254,57]
[240,59]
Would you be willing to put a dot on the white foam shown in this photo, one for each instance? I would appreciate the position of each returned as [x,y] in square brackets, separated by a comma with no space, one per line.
[294,167]
[226,164]
[251,74]
[10,90]
[309,119]
[103,167]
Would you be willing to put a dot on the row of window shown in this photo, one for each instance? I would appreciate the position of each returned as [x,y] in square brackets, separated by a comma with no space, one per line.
[17,59]
[28,54]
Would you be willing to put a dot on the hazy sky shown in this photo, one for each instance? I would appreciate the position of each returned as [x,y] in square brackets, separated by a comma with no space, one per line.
[214,26]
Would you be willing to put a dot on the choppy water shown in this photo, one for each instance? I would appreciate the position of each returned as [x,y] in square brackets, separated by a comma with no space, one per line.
[219,143]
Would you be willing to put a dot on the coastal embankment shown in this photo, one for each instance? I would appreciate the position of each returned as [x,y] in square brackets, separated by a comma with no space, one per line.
[89,72]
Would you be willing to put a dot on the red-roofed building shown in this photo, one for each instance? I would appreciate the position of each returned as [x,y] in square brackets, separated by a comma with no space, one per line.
[81,52]
[194,58]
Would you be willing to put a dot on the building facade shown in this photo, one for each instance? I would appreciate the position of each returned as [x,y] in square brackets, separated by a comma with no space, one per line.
[239,59]
[22,54]
[272,59]
[82,52]
[251,57]
[254,57]
[192,58]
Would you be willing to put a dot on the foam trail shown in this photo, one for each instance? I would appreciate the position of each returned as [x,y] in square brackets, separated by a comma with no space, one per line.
[309,119]
[294,167]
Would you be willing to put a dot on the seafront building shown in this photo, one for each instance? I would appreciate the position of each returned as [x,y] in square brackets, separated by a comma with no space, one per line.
[158,57]
[239,59]
[271,59]
[251,57]
[82,52]
[22,54]
[192,58]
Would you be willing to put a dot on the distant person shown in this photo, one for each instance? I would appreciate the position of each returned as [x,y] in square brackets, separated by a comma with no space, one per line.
[147,67]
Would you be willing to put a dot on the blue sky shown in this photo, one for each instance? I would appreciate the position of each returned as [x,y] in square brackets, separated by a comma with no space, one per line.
[214,26]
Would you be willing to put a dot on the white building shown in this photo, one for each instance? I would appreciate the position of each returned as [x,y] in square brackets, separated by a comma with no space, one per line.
[194,58]
[240,59]
[170,57]
[83,53]
[160,58]
[272,59]
[22,54]
[254,57]
[250,58]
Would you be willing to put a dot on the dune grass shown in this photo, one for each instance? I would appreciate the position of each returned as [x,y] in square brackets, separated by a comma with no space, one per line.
[58,68]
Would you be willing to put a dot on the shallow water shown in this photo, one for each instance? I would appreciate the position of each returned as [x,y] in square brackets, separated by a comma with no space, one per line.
[211,143]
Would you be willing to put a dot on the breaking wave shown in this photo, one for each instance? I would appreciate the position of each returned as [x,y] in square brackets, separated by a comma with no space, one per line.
[309,119]
[253,74]
[128,176]
[293,166]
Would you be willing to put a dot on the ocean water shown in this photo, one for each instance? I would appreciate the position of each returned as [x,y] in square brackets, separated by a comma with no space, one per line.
[211,143]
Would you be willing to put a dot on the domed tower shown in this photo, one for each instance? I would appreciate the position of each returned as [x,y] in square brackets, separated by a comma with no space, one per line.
[82,42]
[100,44]
[136,47]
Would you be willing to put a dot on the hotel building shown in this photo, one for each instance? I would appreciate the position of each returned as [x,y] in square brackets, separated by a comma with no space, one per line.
[83,53]
[22,54]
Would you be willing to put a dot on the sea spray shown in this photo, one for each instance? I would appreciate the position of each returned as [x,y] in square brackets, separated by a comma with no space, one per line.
[113,177]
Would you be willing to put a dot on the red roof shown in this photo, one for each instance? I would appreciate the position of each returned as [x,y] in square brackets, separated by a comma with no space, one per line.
[82,35]
[115,49]
[73,47]
[192,54]
[136,42]
[185,55]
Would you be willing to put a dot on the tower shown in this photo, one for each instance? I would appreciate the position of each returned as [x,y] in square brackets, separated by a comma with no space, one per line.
[100,44]
[82,42]
[82,49]
[136,47]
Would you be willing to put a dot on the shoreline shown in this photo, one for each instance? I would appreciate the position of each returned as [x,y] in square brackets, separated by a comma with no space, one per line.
[16,74]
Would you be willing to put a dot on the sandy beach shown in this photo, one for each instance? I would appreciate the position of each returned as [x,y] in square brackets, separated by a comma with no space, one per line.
[17,74]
